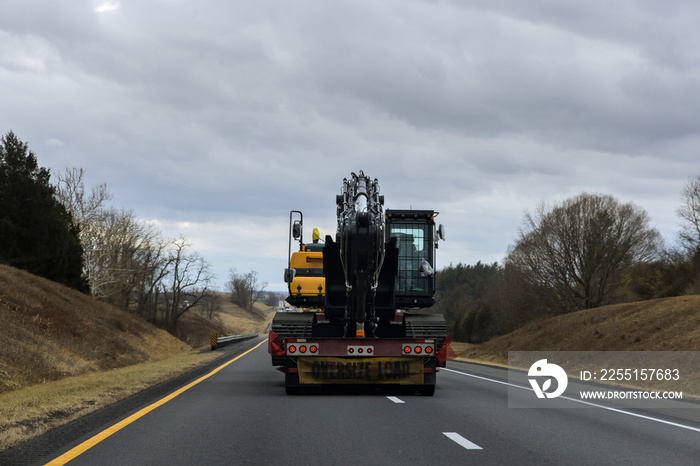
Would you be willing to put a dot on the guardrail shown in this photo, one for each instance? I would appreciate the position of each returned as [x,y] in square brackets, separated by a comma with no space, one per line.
[223,340]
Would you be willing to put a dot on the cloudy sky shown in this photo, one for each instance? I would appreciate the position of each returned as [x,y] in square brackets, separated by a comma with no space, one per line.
[213,119]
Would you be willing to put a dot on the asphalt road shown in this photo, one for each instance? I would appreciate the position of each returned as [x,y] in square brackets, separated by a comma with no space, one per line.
[241,415]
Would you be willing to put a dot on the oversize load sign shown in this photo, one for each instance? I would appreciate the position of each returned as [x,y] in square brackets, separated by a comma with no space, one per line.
[360,370]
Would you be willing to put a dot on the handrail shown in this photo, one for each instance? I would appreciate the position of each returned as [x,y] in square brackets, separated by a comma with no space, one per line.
[218,341]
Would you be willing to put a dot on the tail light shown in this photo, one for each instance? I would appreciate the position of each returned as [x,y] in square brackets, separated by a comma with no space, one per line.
[419,349]
[359,350]
[302,348]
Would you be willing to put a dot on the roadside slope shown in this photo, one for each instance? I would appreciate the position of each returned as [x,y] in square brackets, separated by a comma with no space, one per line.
[49,332]
[667,324]
[64,354]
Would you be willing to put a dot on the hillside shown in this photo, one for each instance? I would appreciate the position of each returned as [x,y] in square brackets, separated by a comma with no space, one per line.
[64,354]
[50,332]
[667,324]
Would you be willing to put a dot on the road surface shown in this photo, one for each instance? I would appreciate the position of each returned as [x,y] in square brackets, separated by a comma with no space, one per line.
[241,415]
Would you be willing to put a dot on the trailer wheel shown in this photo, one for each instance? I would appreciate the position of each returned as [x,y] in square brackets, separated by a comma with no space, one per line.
[292,390]
[291,383]
[427,390]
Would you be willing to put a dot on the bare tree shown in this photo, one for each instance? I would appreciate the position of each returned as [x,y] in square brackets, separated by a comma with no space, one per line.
[575,253]
[690,213]
[120,251]
[185,283]
[85,208]
[125,251]
[88,211]
[210,304]
[126,259]
[244,288]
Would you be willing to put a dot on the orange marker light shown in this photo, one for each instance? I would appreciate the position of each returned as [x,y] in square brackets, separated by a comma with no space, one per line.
[429,349]
[292,349]
[302,349]
[313,349]
[406,349]
[418,349]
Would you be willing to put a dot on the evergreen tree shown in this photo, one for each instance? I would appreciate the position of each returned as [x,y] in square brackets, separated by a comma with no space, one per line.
[37,234]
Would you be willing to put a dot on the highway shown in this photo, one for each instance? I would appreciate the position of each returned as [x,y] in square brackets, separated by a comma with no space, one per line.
[241,415]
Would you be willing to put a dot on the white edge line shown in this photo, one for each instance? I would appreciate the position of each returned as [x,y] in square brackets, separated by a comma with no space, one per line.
[454,436]
[682,426]
[395,399]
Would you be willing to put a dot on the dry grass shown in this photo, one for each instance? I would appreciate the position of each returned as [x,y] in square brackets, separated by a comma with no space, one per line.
[230,320]
[64,354]
[669,324]
[48,332]
[34,410]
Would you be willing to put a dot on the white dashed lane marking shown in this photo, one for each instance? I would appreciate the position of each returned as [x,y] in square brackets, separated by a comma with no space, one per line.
[454,436]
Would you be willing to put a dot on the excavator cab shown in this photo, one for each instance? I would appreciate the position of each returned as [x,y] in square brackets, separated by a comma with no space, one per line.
[416,240]
[304,276]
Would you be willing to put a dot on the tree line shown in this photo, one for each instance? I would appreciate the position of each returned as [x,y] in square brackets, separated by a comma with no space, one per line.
[69,234]
[588,251]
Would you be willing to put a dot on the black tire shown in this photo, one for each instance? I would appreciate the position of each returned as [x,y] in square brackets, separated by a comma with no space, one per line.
[427,390]
[292,390]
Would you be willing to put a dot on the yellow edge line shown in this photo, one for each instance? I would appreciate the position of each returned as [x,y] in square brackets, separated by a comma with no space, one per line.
[86,445]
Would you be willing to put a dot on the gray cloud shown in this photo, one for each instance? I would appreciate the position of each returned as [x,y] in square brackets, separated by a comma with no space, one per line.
[215,119]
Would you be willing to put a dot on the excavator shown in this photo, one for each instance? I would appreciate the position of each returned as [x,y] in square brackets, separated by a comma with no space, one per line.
[362,298]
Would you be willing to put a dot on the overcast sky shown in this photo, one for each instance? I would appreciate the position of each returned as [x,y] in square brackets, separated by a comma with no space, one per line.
[213,119]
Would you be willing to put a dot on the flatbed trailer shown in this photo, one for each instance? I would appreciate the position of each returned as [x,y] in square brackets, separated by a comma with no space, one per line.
[410,363]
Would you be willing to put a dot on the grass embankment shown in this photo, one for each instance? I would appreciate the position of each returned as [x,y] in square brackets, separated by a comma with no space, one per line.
[64,354]
[668,324]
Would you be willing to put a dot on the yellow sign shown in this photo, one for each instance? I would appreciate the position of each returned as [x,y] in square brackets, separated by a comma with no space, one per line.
[326,370]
